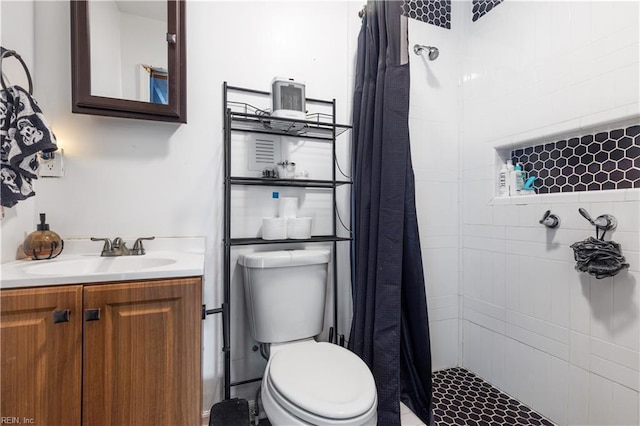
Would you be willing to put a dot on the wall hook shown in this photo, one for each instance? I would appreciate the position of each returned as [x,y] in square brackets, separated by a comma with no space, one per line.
[550,220]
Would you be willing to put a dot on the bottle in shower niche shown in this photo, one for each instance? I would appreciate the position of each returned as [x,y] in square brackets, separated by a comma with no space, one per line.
[517,180]
[503,181]
[510,169]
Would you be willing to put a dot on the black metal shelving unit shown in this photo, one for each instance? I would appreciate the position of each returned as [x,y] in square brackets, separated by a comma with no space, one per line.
[243,117]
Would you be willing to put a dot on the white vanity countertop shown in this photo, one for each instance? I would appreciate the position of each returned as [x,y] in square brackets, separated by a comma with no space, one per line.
[81,263]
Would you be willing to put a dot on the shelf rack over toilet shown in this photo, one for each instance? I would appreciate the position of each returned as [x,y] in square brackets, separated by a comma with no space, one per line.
[243,117]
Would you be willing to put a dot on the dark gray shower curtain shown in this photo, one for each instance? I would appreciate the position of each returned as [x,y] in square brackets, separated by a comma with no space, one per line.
[390,329]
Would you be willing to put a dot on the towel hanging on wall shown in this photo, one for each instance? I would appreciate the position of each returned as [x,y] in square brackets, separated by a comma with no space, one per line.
[23,133]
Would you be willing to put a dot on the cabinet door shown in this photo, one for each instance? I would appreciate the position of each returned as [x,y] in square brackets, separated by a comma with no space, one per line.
[142,353]
[41,355]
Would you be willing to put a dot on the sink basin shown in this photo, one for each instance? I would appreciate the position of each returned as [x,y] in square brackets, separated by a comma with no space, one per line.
[97,265]
[170,258]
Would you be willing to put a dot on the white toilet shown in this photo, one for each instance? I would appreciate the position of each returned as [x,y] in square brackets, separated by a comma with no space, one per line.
[305,382]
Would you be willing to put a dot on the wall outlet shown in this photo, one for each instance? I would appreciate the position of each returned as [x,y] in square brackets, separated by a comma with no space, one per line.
[51,164]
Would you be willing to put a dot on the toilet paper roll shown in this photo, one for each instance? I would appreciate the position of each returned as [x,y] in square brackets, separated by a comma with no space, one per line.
[288,207]
[274,228]
[299,228]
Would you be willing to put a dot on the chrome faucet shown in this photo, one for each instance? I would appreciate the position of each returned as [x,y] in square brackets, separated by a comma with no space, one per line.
[118,247]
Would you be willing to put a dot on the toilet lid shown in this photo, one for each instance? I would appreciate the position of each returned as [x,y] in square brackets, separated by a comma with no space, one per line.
[324,379]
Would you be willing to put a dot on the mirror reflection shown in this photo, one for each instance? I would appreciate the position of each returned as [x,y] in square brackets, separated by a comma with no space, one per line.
[129,58]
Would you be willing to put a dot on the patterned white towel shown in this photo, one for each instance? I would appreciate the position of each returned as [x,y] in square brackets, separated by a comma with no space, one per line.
[23,133]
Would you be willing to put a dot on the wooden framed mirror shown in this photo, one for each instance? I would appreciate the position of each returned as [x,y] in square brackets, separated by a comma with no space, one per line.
[113,70]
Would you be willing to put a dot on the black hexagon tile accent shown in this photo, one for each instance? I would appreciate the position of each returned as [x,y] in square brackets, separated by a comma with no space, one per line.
[595,162]
[482,7]
[435,12]
[461,398]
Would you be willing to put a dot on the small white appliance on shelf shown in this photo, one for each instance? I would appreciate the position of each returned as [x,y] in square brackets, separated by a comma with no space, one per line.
[288,99]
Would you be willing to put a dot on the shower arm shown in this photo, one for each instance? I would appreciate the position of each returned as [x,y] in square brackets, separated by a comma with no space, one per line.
[418,48]
[432,52]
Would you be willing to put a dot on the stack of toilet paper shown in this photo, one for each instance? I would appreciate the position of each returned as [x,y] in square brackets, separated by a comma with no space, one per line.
[287,224]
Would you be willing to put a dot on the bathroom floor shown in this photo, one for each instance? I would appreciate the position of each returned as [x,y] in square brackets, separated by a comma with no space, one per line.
[463,399]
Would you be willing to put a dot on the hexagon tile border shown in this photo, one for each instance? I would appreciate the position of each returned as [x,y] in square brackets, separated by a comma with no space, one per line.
[438,12]
[435,12]
[593,162]
[482,7]
[463,399]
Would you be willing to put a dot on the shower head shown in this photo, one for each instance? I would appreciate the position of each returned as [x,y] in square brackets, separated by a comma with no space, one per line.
[432,52]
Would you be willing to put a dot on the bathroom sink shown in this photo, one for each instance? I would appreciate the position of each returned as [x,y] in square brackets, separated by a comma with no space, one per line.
[94,265]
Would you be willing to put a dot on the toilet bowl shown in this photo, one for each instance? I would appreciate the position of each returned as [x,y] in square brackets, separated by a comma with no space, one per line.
[305,382]
[318,383]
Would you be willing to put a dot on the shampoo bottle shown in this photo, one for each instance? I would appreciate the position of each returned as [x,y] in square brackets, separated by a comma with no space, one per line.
[503,181]
[517,180]
[511,189]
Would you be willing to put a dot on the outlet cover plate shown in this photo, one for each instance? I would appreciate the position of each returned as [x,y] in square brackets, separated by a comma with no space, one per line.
[51,167]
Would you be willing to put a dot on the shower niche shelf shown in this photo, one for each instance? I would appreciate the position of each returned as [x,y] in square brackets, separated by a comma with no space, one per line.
[242,117]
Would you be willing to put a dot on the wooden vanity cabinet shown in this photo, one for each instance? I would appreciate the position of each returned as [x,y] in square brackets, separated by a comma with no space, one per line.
[136,362]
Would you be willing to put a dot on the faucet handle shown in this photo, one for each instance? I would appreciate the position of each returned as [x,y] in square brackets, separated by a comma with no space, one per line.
[107,244]
[550,220]
[138,248]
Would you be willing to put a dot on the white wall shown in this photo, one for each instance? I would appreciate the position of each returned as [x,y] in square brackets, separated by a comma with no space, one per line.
[433,123]
[132,178]
[559,341]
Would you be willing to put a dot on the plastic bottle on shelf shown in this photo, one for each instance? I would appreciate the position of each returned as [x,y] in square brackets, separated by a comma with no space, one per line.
[510,184]
[517,179]
[503,181]
[276,197]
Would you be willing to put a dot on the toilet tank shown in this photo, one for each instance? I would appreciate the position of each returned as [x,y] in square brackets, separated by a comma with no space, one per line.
[285,293]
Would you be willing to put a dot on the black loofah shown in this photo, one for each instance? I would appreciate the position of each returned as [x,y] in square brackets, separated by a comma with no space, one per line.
[599,258]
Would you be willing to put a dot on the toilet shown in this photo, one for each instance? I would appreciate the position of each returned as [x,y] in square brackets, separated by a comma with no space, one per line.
[305,381]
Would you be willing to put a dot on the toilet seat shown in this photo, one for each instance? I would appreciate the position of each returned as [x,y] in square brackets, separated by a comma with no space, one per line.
[321,383]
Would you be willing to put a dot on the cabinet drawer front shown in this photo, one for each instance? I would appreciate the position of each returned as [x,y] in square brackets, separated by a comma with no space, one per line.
[142,356]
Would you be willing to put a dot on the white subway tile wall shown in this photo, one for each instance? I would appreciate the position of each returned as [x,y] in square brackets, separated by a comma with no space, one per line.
[562,342]
[434,151]
[571,341]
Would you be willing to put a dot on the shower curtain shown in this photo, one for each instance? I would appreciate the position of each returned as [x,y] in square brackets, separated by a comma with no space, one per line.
[390,329]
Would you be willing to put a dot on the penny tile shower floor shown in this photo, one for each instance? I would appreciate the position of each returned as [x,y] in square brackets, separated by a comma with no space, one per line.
[461,398]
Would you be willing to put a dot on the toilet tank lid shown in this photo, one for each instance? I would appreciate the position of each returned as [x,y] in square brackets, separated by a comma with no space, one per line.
[284,258]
